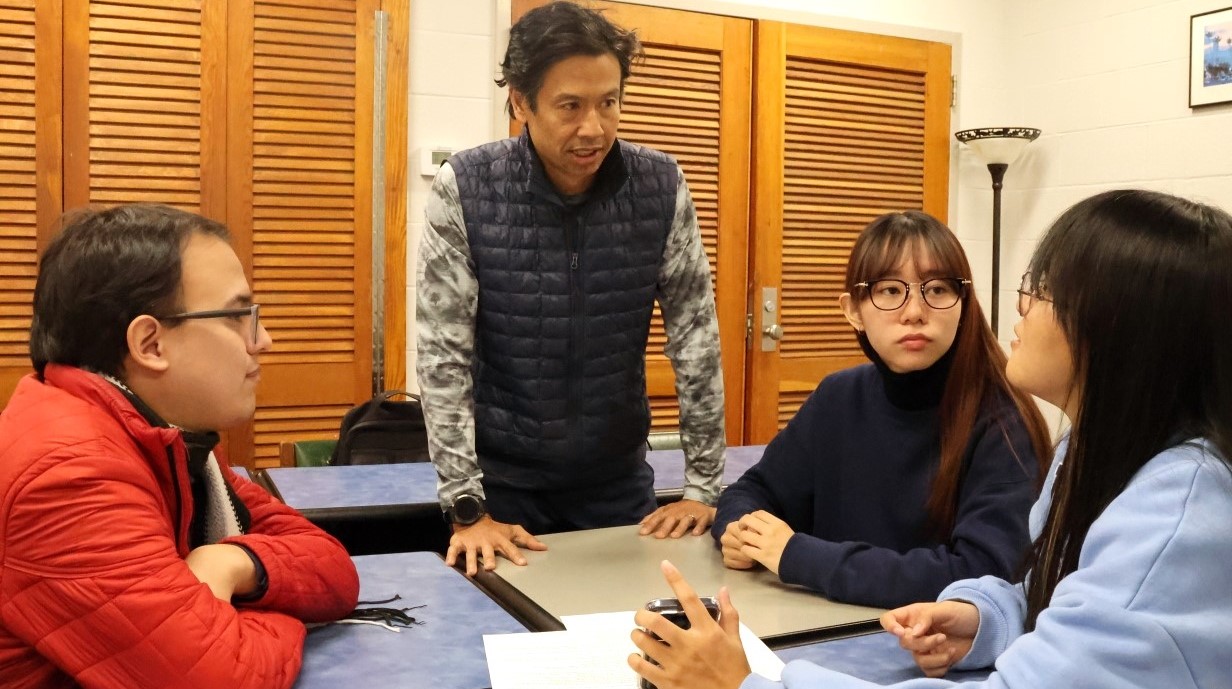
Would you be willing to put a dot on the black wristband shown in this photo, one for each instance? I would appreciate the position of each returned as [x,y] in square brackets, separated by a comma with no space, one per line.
[262,577]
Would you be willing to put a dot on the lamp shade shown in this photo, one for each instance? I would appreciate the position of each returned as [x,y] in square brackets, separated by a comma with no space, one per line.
[998,144]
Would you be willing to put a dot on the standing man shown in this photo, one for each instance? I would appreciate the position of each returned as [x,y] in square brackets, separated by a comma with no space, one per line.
[539,268]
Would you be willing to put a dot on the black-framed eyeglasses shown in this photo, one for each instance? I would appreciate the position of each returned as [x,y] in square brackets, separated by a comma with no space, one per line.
[1027,296]
[253,313]
[939,293]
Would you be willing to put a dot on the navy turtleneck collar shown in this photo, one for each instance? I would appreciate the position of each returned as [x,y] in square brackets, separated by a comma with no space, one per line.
[915,390]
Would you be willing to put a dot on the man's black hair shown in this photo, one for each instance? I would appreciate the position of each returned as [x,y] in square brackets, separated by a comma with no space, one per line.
[105,268]
[557,31]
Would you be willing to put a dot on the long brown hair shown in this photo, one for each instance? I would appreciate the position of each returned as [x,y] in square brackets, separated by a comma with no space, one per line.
[977,374]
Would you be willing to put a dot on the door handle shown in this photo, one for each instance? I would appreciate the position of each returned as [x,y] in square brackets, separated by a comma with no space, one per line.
[771,331]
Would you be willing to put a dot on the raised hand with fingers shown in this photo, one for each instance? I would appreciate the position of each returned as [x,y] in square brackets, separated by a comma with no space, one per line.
[937,634]
[707,655]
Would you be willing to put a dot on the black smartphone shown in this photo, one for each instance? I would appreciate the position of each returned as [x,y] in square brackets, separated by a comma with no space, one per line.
[672,610]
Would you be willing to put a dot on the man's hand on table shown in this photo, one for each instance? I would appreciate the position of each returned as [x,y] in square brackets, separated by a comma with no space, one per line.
[483,540]
[678,518]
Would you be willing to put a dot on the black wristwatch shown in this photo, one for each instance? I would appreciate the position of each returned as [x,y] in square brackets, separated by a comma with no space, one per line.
[465,510]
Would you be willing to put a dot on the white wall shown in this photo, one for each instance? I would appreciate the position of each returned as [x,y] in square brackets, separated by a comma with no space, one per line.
[453,58]
[1107,81]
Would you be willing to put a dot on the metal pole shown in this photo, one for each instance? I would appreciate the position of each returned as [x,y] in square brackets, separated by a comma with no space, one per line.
[998,174]
[378,203]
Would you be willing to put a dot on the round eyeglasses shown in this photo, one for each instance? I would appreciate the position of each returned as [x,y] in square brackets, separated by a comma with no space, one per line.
[939,293]
[1027,296]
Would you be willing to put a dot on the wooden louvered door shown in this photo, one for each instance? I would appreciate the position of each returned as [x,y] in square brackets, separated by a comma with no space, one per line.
[258,113]
[144,104]
[144,99]
[301,194]
[690,98]
[29,167]
[849,126]
[125,78]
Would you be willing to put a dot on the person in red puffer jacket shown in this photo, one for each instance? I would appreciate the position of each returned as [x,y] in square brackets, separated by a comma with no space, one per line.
[131,556]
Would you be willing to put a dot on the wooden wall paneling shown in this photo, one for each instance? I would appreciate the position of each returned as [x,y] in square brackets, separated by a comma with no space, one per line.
[49,115]
[938,90]
[396,114]
[239,42]
[277,426]
[76,104]
[215,80]
[732,252]
[766,236]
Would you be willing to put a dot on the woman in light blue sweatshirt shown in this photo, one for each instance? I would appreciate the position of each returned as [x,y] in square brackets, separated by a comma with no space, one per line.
[1127,327]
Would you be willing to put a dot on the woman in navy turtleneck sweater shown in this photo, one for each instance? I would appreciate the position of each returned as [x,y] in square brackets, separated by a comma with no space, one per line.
[898,477]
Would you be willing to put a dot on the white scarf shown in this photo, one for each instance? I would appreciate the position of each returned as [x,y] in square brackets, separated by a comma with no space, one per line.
[220,518]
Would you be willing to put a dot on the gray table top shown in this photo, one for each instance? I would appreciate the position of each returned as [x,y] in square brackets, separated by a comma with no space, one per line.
[610,570]
[445,652]
[354,491]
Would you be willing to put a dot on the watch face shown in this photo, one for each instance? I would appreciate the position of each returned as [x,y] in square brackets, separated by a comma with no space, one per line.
[467,509]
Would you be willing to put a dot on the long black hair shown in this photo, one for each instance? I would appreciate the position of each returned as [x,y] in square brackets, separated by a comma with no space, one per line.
[1141,285]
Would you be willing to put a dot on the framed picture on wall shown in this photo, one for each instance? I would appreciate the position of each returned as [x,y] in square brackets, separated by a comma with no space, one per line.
[1210,58]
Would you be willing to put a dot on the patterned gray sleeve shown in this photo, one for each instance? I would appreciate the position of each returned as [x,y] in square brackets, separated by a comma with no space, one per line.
[447,295]
[686,298]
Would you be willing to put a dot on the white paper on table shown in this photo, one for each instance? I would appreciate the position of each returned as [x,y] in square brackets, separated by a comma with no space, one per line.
[558,660]
[761,659]
[590,654]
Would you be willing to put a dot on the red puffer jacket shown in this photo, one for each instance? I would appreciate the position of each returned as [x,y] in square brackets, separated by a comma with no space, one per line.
[94,591]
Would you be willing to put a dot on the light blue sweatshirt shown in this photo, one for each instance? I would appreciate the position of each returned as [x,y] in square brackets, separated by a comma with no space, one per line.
[1147,606]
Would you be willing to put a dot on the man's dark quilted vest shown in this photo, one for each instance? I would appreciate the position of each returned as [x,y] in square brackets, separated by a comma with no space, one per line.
[566,294]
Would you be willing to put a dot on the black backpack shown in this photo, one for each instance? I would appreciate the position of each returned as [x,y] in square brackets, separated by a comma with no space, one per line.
[383,431]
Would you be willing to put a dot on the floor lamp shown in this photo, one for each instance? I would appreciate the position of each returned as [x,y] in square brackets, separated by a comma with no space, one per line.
[997,146]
